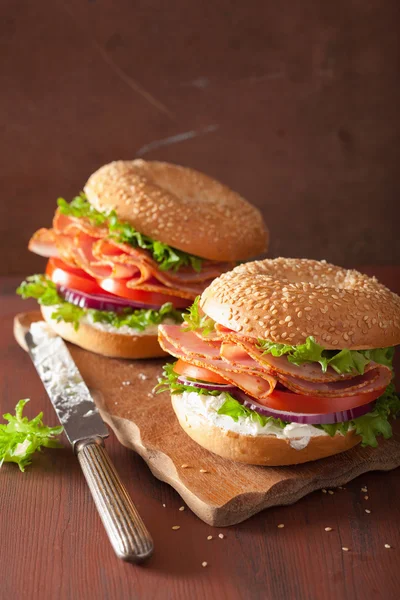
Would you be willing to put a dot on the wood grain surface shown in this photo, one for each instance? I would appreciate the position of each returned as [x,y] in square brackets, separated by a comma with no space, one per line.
[220,492]
[53,544]
[295,108]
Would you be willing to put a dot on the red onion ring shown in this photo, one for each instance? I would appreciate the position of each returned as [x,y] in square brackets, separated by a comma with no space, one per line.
[222,387]
[105,302]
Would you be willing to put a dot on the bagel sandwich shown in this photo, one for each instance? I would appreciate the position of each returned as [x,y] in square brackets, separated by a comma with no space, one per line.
[134,249]
[284,361]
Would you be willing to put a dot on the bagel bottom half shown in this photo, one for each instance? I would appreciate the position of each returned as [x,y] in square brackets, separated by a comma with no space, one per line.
[266,450]
[115,345]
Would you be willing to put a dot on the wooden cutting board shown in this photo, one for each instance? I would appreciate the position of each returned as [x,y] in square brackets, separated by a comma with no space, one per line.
[218,491]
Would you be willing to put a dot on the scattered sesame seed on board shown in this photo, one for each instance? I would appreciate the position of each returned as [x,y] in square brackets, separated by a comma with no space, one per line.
[204,563]
[175,527]
[184,466]
[388,546]
[331,492]
[221,536]
[367,511]
[366,497]
[209,537]
[324,491]
[181,508]
[281,526]
[364,489]
[328,528]
[164,505]
[345,549]
[204,471]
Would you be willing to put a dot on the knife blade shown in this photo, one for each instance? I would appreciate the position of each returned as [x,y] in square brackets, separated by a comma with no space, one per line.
[66,389]
[86,432]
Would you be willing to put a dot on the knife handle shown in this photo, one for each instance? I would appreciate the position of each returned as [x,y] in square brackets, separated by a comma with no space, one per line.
[124,526]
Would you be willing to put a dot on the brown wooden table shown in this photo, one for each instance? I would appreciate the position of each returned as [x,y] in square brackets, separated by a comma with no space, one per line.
[53,546]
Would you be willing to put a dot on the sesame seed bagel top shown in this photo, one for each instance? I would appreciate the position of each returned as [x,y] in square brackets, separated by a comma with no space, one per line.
[180,207]
[285,300]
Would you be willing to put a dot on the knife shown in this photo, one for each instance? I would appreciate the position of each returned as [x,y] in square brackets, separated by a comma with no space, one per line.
[86,432]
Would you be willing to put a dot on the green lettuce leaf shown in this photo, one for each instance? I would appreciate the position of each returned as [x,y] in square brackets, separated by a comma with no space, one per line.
[137,319]
[168,258]
[342,361]
[373,424]
[169,382]
[195,319]
[41,289]
[21,438]
[45,292]
[80,208]
[234,409]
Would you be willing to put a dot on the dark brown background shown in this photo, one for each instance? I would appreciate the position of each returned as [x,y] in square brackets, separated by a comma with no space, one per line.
[295,105]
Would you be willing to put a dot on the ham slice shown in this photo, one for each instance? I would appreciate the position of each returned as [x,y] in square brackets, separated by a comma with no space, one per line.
[239,363]
[376,379]
[253,385]
[43,243]
[190,343]
[81,244]
[234,355]
[281,365]
[64,224]
[314,382]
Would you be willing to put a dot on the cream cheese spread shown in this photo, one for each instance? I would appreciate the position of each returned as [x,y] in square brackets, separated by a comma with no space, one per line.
[124,330]
[201,406]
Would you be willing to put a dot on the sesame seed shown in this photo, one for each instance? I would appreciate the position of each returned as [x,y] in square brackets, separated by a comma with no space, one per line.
[281,526]
[331,492]
[209,537]
[328,528]
[221,536]
[365,497]
[324,491]
[164,505]
[185,466]
[181,508]
[388,546]
[364,489]
[204,563]
[175,527]
[204,471]
[367,511]
[345,549]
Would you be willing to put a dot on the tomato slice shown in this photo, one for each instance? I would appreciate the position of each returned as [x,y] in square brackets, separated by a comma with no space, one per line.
[119,288]
[62,274]
[184,368]
[292,402]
